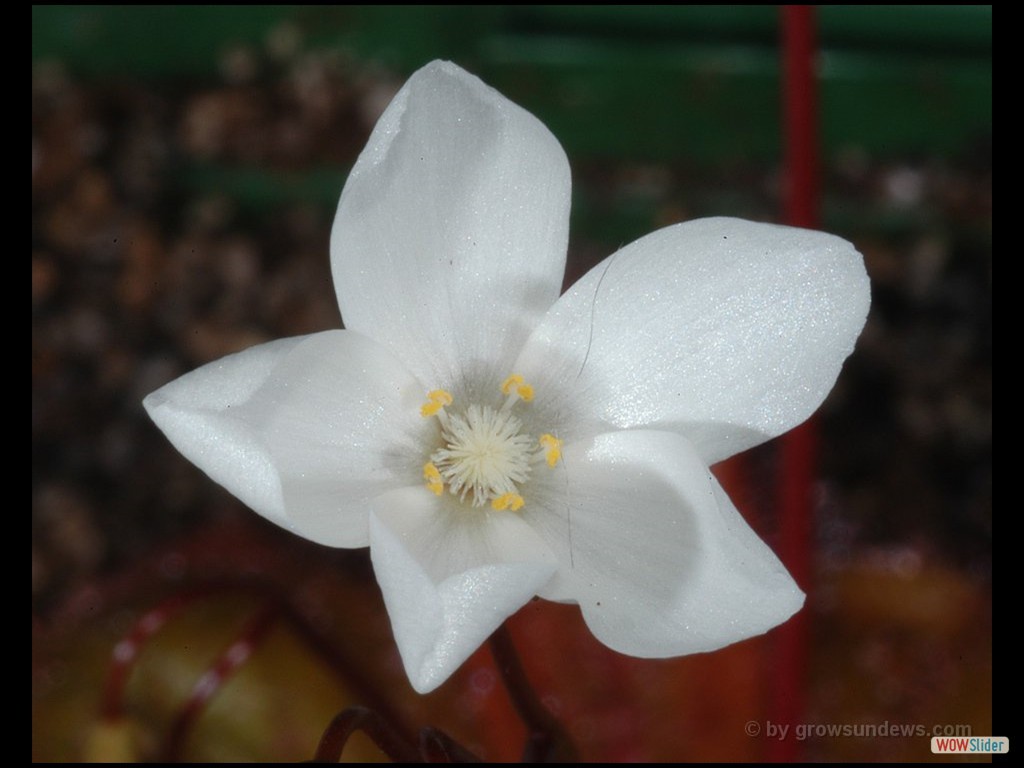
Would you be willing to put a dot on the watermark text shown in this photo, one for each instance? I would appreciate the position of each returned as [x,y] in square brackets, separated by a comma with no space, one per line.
[973,745]
[883,730]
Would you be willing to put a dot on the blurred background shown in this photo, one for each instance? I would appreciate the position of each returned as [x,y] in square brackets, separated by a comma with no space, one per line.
[186,163]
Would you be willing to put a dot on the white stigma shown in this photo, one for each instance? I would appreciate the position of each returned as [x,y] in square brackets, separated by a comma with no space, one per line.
[486,455]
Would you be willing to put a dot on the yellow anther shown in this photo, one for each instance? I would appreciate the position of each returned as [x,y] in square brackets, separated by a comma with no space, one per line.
[433,478]
[552,448]
[523,390]
[514,380]
[436,400]
[511,501]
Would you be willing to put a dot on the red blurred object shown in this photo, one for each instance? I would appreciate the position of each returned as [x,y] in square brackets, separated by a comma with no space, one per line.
[214,678]
[127,651]
[797,449]
[800,115]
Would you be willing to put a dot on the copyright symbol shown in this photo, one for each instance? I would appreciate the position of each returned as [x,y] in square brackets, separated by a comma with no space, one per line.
[753,728]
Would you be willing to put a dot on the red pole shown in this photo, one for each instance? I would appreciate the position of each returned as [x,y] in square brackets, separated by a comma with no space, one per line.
[800,115]
[797,449]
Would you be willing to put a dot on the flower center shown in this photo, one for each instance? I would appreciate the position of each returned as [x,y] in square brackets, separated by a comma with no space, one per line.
[485,455]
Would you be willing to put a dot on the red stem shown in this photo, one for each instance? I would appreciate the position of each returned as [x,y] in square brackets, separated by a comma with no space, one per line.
[798,447]
[353,719]
[128,649]
[126,652]
[438,747]
[546,740]
[216,675]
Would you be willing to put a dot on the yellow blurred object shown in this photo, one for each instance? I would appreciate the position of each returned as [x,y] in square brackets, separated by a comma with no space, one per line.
[111,741]
[274,708]
[900,640]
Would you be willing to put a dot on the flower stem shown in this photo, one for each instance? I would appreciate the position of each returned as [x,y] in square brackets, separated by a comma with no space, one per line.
[353,719]
[547,740]
[436,746]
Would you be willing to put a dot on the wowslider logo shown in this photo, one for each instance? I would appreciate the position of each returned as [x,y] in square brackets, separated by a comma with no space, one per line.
[970,745]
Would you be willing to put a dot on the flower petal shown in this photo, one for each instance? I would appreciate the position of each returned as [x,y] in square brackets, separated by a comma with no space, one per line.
[653,550]
[727,331]
[450,238]
[450,576]
[194,411]
[305,431]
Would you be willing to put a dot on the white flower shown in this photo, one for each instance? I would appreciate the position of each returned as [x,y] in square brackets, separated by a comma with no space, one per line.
[490,440]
